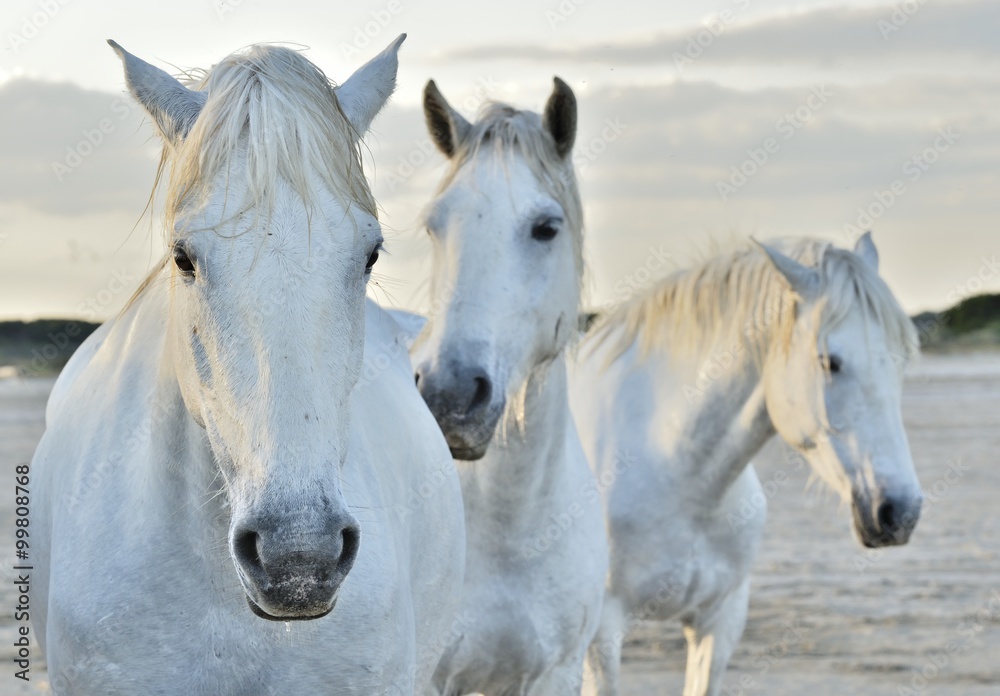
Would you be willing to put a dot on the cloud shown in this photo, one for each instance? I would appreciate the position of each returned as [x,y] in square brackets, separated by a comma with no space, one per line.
[651,180]
[682,139]
[825,37]
[657,182]
[67,150]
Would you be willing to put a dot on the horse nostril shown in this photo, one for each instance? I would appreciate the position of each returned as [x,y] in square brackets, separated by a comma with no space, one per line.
[247,552]
[886,517]
[481,397]
[351,541]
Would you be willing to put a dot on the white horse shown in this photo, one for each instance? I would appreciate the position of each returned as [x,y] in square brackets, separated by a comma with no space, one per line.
[209,462]
[677,391]
[506,227]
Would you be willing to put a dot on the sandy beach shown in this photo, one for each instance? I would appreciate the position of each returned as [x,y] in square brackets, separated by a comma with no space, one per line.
[826,616]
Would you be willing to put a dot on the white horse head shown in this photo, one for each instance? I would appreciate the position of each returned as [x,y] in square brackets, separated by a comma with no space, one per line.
[833,385]
[506,229]
[272,233]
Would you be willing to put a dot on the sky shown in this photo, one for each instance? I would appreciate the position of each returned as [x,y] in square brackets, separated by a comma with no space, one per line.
[701,124]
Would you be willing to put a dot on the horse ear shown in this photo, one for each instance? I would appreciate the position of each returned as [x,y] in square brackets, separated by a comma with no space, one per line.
[804,281]
[865,248]
[559,118]
[447,127]
[365,92]
[171,105]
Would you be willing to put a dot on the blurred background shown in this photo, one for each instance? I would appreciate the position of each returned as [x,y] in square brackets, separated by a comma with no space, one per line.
[701,123]
[881,116]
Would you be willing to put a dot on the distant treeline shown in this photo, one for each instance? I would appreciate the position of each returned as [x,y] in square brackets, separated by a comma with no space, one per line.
[38,348]
[42,347]
[972,323]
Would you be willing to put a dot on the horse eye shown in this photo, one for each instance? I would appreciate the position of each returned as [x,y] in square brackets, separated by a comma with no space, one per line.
[183,261]
[372,258]
[831,363]
[544,231]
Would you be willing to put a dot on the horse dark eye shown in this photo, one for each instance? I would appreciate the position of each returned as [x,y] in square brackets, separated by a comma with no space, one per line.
[371,261]
[543,231]
[183,261]
[831,363]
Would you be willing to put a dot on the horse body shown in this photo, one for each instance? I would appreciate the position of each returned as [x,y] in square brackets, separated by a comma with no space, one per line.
[670,423]
[185,438]
[506,230]
[672,499]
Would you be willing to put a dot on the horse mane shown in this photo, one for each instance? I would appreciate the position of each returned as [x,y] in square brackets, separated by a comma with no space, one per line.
[739,300]
[503,131]
[283,111]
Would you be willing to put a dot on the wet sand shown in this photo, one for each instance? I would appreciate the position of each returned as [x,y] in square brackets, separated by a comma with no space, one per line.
[826,616]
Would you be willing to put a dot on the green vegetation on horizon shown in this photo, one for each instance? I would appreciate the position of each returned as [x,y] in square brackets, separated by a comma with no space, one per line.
[41,348]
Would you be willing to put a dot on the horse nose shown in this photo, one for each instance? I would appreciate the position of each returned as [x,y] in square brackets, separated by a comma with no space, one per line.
[291,573]
[463,390]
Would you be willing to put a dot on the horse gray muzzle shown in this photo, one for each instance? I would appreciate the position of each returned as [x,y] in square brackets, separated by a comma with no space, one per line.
[292,572]
[464,404]
[888,520]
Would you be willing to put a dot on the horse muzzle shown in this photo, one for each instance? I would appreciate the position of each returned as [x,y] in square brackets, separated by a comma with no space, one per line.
[294,575]
[465,405]
[887,520]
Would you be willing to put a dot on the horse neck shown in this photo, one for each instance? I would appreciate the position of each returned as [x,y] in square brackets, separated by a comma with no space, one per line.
[186,472]
[714,403]
[522,470]
[167,468]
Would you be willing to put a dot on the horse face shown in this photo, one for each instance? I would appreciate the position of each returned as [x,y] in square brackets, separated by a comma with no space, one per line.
[505,273]
[505,261]
[840,407]
[267,324]
[266,321]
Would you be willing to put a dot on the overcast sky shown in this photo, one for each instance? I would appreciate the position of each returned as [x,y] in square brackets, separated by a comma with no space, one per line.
[842,116]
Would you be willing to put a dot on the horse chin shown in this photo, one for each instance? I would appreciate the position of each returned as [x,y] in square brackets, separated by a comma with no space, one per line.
[469,439]
[256,609]
[468,454]
[882,540]
[467,446]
